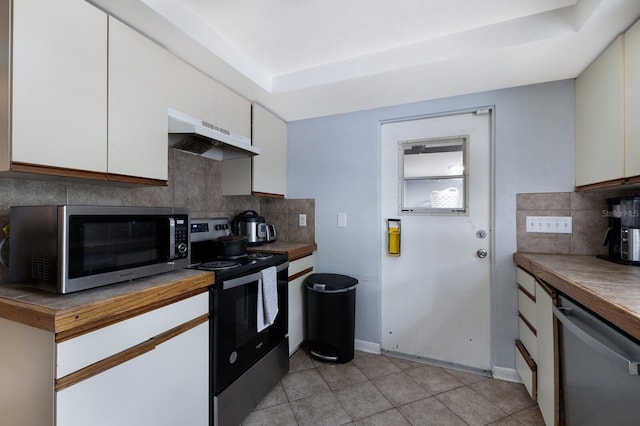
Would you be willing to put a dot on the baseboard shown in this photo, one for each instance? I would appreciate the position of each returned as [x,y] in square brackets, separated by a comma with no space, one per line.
[500,373]
[506,374]
[364,346]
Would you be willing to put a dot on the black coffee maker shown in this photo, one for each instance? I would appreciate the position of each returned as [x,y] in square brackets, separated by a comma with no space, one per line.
[624,222]
[612,234]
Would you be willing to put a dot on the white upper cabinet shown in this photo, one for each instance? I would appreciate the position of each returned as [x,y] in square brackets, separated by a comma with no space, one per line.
[195,93]
[607,111]
[59,92]
[600,118]
[632,101]
[191,91]
[137,104]
[233,112]
[269,133]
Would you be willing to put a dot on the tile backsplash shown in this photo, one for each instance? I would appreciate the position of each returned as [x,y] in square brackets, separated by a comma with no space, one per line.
[588,211]
[194,182]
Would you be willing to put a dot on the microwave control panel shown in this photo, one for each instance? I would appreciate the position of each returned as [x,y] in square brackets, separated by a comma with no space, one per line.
[182,236]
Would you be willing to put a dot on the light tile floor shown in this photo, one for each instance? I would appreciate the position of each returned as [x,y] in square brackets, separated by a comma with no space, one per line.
[381,390]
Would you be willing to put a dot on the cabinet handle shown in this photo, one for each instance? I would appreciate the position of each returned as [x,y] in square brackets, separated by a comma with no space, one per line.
[300,274]
[126,355]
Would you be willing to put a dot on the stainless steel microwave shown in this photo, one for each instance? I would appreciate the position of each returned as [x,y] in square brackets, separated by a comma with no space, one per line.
[73,248]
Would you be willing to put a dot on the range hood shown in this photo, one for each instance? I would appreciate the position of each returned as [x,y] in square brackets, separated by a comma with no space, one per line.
[189,134]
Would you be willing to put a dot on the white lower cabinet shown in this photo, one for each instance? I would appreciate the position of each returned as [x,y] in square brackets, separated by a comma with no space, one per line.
[546,360]
[535,347]
[299,270]
[152,369]
[165,386]
[122,395]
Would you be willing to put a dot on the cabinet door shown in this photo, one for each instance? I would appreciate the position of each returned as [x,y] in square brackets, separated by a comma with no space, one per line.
[269,133]
[59,111]
[89,348]
[545,360]
[632,101]
[233,112]
[123,395]
[138,142]
[27,355]
[182,379]
[299,270]
[191,91]
[600,118]
[162,378]
[166,386]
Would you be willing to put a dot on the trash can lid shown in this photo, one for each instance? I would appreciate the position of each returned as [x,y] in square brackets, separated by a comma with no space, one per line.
[330,282]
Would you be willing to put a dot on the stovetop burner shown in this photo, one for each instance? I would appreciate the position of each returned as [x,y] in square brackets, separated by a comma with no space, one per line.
[204,255]
[219,265]
[260,256]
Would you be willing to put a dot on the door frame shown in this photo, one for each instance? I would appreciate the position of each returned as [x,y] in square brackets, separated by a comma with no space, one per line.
[491,110]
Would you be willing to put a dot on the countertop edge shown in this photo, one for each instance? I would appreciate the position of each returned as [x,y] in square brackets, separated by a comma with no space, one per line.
[145,294]
[293,249]
[616,314]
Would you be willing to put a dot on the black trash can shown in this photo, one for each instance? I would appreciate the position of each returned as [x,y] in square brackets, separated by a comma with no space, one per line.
[331,316]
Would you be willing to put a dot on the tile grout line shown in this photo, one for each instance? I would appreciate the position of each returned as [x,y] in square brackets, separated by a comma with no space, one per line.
[465,382]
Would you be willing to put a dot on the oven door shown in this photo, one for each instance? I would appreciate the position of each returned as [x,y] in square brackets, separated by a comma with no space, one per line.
[237,344]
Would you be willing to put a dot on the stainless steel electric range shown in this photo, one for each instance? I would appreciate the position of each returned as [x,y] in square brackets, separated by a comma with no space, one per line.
[245,363]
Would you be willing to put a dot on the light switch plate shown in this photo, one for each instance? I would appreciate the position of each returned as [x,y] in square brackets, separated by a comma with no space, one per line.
[342,220]
[302,219]
[549,224]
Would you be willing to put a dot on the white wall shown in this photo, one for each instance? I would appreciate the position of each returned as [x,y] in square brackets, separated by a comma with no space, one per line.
[336,160]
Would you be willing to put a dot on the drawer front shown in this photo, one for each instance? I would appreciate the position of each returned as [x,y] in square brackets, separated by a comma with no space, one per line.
[76,353]
[300,265]
[527,281]
[528,338]
[527,370]
[527,307]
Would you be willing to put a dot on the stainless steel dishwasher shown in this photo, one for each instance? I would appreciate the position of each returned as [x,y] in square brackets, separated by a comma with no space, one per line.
[598,369]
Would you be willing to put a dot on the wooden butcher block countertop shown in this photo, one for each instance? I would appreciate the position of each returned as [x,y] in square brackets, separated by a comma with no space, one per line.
[610,290]
[68,315]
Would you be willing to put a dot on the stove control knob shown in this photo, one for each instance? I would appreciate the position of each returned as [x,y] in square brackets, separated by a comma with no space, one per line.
[182,248]
[233,357]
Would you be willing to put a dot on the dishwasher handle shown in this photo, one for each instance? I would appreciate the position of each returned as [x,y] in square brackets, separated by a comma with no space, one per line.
[564,316]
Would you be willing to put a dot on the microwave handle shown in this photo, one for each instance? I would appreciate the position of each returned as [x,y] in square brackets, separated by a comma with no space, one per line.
[248,279]
[172,237]
[2,261]
[607,236]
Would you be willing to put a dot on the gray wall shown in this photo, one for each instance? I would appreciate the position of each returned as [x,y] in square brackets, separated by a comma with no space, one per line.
[336,160]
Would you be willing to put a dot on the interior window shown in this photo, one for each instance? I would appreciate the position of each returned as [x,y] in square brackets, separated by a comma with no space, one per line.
[433,176]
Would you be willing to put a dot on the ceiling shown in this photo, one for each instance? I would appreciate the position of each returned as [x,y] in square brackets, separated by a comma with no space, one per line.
[309,58]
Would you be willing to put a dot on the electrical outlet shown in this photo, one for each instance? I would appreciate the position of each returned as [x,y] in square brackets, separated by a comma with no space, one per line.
[549,224]
[302,219]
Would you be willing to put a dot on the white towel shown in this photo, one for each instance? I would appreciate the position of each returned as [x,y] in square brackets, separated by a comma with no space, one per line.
[267,297]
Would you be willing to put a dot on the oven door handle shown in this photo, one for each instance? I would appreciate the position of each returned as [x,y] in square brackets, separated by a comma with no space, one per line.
[248,279]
